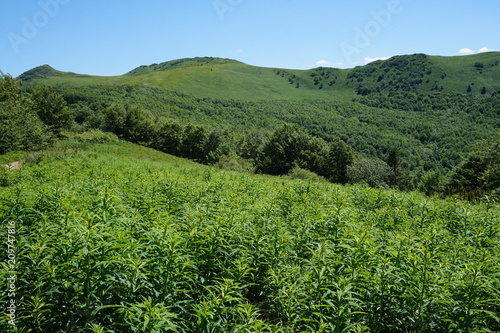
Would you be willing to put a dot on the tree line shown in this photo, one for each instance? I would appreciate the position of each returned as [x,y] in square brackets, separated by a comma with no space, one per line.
[30,121]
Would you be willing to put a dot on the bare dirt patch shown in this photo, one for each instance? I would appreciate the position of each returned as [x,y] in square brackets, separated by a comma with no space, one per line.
[14,165]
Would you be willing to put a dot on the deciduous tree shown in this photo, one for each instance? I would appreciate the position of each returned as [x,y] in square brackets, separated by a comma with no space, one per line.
[52,109]
[340,157]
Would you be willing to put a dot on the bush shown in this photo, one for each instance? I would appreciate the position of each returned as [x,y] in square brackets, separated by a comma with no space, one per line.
[299,173]
[20,126]
[52,109]
[372,171]
[480,170]
[288,146]
[237,164]
[433,183]
[340,157]
[4,177]
[97,136]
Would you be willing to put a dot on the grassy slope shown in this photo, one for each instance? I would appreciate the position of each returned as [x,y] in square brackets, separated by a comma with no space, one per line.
[224,81]
[462,72]
[152,238]
[229,79]
[428,74]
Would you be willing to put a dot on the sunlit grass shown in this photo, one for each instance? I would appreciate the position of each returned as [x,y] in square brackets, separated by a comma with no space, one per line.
[119,238]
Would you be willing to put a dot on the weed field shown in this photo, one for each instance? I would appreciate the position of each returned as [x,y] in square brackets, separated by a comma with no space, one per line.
[120,238]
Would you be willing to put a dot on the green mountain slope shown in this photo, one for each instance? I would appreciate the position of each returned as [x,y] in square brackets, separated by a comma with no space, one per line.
[47,72]
[200,77]
[430,108]
[423,74]
[229,79]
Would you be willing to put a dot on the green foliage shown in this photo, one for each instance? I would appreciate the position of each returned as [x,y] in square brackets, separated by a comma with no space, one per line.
[373,172]
[489,151]
[369,130]
[10,89]
[52,109]
[248,146]
[394,162]
[234,163]
[480,170]
[218,143]
[400,73]
[96,136]
[299,173]
[121,238]
[340,157]
[467,173]
[433,182]
[209,109]
[193,142]
[20,126]
[427,129]
[290,145]
[149,317]
[130,123]
[168,137]
[4,177]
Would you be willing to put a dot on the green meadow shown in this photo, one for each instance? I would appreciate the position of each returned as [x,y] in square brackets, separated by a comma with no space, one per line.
[116,237]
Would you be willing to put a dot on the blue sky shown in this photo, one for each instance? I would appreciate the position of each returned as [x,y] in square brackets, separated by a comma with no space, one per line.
[112,37]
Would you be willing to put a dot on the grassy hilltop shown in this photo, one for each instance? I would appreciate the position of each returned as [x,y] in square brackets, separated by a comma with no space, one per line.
[230,79]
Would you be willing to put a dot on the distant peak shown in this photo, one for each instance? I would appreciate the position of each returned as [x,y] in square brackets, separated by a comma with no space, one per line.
[180,63]
[39,72]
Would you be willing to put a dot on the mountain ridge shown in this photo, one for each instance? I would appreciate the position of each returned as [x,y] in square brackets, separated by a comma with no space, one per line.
[218,60]
[227,78]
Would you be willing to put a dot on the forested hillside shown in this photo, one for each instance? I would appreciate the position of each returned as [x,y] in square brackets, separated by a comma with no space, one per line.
[429,112]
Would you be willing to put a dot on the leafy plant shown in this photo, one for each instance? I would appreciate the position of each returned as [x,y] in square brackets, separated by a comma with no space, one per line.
[122,238]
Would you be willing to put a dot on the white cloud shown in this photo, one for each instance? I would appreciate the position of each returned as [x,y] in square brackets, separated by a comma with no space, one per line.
[485,49]
[323,63]
[466,50]
[368,59]
[326,63]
